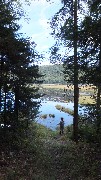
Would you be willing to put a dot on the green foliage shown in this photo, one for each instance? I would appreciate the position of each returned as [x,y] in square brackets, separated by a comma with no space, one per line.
[43,133]
[90,45]
[88,131]
[61,73]
[69,132]
[79,161]
[52,74]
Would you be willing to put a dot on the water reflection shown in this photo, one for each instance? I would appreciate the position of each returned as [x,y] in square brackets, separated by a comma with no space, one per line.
[48,107]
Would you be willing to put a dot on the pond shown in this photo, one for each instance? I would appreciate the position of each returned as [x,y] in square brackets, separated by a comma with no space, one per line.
[48,107]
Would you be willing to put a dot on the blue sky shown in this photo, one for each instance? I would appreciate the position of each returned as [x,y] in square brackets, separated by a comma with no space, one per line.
[37,27]
[40,13]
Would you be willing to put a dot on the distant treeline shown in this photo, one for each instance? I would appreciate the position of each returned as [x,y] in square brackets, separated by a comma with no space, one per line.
[52,74]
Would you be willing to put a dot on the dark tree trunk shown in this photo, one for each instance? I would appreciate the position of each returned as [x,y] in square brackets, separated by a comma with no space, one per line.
[76,89]
[99,93]
[16,107]
[5,118]
[1,80]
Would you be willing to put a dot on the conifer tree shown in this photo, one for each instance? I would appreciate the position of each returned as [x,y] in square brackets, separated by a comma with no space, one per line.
[18,98]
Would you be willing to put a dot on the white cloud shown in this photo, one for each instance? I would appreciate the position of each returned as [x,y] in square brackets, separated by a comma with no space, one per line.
[38,28]
[44,23]
[35,3]
[44,63]
[41,41]
[44,47]
[35,36]
[42,36]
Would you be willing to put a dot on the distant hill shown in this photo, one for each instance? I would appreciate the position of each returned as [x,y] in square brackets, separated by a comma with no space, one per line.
[52,74]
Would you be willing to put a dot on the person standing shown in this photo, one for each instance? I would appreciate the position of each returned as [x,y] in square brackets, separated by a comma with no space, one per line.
[61,126]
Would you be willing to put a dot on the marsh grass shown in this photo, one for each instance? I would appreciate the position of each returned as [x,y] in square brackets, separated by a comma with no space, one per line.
[66,110]
[52,115]
[44,116]
[82,88]
[84,100]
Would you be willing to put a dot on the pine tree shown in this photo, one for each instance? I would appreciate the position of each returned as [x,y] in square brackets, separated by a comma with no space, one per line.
[18,98]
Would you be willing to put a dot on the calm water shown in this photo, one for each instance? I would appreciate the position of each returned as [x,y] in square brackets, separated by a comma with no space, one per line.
[48,107]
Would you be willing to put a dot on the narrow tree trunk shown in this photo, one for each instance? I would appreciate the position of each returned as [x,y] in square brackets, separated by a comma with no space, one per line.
[0,85]
[76,92]
[1,79]
[5,118]
[0,98]
[16,106]
[5,99]
[99,93]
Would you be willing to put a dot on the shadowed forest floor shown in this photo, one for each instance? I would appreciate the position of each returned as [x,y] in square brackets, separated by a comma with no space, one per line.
[25,166]
[56,149]
[55,158]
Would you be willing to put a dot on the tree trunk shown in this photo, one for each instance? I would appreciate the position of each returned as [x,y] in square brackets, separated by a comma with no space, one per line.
[1,80]
[5,116]
[16,106]
[99,93]
[76,89]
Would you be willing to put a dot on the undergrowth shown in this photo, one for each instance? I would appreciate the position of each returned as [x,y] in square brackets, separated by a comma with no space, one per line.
[45,155]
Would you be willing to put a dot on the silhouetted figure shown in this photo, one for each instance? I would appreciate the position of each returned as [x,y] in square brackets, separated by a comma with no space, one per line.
[61,126]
